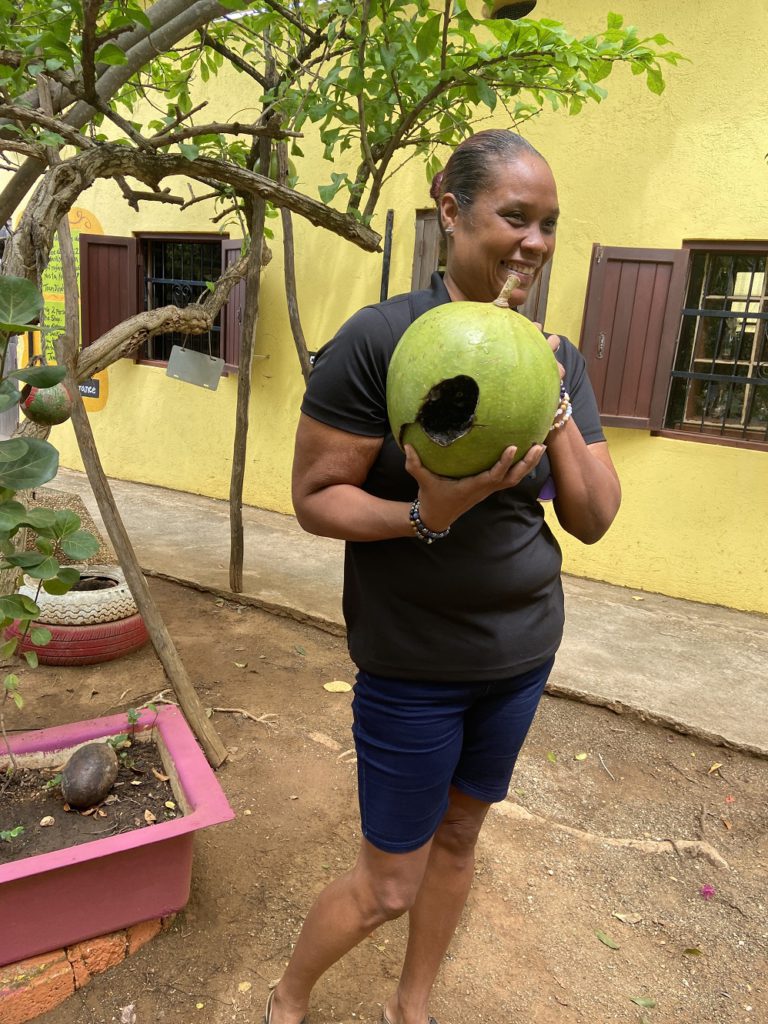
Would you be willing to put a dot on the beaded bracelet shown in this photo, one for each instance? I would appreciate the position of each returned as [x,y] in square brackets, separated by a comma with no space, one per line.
[564,410]
[423,532]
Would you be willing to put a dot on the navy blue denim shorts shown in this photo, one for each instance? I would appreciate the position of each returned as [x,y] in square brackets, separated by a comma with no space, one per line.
[415,739]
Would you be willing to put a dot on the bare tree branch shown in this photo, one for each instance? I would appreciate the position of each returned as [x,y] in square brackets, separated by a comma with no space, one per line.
[61,187]
[221,128]
[13,112]
[234,59]
[91,10]
[171,21]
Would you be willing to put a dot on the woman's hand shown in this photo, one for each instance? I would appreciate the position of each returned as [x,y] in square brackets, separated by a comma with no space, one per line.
[444,499]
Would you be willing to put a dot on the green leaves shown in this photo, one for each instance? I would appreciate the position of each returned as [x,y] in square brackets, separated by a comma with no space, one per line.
[27,462]
[20,304]
[18,606]
[428,36]
[39,376]
[110,54]
[80,545]
[9,395]
[11,516]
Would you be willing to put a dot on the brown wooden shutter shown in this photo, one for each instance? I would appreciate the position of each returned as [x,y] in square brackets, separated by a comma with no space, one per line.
[232,314]
[109,283]
[535,306]
[629,331]
[426,249]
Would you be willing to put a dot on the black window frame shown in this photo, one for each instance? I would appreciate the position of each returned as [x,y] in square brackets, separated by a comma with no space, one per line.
[693,386]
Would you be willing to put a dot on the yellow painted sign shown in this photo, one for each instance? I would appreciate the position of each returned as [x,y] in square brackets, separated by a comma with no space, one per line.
[95,390]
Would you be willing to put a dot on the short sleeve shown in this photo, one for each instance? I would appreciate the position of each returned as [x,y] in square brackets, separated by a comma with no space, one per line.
[347,387]
[577,382]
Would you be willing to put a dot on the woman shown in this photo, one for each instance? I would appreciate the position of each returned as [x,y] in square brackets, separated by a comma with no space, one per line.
[454,640]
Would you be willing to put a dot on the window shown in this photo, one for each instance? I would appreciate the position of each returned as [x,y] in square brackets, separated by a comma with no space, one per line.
[675,340]
[120,277]
[720,374]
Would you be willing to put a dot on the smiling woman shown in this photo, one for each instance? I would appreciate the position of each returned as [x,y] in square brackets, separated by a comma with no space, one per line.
[452,593]
[498,224]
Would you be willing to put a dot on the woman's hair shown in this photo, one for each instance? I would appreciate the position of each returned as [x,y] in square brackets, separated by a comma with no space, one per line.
[470,168]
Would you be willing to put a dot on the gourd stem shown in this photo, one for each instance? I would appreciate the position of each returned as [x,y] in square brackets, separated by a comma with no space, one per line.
[512,282]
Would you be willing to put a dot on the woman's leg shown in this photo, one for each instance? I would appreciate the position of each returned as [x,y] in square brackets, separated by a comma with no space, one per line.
[381,886]
[439,903]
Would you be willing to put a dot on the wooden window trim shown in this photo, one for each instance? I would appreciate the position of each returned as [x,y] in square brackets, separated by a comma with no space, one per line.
[723,441]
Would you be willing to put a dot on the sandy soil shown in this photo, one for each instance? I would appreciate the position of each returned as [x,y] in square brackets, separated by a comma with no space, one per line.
[547,882]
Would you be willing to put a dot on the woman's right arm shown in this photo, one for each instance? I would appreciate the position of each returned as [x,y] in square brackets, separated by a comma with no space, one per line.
[329,468]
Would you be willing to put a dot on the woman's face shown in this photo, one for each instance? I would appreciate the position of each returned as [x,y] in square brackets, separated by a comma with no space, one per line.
[510,227]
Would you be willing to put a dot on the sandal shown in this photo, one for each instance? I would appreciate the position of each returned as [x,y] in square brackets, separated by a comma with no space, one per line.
[268,1009]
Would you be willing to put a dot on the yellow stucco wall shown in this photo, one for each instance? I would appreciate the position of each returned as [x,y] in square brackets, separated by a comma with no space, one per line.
[637,170]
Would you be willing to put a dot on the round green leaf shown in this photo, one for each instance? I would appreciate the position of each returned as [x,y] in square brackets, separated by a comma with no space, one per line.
[9,395]
[40,636]
[16,606]
[40,518]
[46,570]
[20,302]
[80,545]
[35,464]
[12,514]
[66,522]
[25,559]
[40,376]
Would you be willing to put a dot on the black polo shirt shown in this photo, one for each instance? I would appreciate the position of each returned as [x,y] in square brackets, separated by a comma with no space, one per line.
[484,603]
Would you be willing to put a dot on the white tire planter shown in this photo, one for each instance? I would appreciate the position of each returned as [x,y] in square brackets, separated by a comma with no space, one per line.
[84,607]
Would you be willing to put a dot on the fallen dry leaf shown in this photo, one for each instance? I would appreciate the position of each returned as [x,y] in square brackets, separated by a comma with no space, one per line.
[149,817]
[159,775]
[337,686]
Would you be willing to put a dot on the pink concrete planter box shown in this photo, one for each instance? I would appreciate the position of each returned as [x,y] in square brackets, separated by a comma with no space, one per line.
[56,899]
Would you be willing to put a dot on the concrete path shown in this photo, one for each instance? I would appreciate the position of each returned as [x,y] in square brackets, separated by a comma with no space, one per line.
[696,667]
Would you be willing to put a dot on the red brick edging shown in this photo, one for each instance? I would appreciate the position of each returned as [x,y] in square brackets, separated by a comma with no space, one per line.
[34,986]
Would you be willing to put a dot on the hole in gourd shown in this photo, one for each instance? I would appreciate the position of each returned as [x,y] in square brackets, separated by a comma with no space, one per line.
[448,411]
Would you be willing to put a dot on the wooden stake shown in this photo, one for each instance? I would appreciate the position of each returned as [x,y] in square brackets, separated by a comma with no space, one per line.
[212,744]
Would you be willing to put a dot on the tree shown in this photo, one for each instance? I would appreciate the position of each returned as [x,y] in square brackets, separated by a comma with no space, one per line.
[112,89]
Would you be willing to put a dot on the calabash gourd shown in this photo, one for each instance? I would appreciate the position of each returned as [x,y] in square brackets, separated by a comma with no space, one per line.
[469,379]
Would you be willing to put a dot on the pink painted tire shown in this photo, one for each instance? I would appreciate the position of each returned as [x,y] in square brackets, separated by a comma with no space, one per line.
[87,645]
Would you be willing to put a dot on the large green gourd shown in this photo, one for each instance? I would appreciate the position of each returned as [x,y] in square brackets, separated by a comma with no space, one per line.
[468,379]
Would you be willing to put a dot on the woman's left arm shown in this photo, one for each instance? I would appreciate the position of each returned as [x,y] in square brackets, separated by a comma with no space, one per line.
[588,489]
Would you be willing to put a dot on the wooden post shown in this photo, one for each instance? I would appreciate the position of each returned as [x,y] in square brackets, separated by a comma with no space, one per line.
[212,744]
[245,368]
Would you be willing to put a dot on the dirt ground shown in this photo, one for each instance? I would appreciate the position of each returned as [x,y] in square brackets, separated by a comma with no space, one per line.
[527,949]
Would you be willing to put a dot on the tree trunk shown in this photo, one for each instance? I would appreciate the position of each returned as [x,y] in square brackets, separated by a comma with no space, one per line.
[289,265]
[165,649]
[245,368]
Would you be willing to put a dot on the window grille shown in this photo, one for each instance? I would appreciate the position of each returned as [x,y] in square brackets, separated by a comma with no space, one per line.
[177,272]
[720,373]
